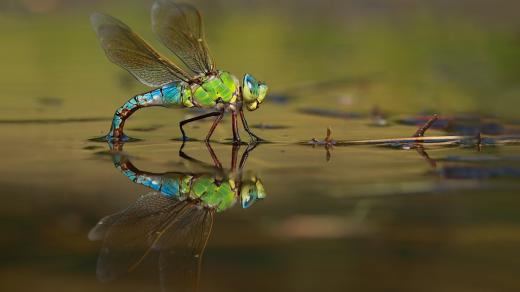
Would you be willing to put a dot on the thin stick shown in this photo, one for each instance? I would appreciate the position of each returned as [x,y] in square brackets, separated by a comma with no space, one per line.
[479,141]
[424,154]
[433,139]
[420,132]
[328,138]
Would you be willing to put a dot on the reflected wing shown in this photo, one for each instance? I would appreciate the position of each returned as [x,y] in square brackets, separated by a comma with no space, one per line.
[125,48]
[131,234]
[179,27]
[182,252]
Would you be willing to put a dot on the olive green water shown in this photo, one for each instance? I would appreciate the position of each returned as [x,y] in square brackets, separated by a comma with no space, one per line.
[368,218]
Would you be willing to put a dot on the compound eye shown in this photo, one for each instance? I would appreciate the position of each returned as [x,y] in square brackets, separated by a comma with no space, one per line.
[262,91]
[250,90]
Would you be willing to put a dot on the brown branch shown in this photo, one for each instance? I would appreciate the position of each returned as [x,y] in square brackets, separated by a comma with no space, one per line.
[420,132]
[424,154]
[328,138]
[428,140]
[479,141]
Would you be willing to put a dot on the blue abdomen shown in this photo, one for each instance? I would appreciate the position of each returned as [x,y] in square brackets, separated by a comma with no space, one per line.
[169,94]
[172,93]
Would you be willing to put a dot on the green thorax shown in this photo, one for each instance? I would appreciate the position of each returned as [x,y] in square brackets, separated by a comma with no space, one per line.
[222,87]
[219,195]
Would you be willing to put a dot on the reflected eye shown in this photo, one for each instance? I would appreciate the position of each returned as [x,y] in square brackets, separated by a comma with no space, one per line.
[247,200]
[260,190]
[251,192]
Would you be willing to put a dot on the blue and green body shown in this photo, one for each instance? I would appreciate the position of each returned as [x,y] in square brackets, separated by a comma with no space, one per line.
[199,84]
[208,190]
[215,91]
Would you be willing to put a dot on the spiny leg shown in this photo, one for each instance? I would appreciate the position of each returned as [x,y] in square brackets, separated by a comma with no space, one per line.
[252,135]
[215,123]
[213,156]
[216,162]
[234,122]
[182,123]
[243,160]
[245,155]
[234,156]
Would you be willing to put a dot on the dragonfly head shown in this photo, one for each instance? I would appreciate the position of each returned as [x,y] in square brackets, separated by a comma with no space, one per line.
[251,191]
[253,92]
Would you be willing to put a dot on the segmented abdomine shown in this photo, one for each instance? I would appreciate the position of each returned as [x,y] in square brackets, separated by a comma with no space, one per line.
[221,87]
[164,96]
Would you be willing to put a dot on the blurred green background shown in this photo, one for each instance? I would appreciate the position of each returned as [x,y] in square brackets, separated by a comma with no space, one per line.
[446,56]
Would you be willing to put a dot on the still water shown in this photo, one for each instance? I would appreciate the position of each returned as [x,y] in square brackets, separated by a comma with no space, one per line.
[363,217]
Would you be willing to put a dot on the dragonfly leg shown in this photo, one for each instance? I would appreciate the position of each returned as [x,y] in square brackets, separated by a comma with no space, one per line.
[214,157]
[236,135]
[252,135]
[215,123]
[234,156]
[182,123]
[245,155]
[216,163]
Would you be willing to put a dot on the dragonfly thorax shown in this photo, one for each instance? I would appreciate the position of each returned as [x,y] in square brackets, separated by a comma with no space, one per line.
[223,88]
[210,90]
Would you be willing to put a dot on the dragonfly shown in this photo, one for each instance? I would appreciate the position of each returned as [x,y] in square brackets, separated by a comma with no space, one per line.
[174,221]
[217,189]
[197,84]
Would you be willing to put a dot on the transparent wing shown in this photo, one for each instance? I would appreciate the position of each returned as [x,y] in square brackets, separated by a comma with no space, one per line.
[126,49]
[181,254]
[130,235]
[179,27]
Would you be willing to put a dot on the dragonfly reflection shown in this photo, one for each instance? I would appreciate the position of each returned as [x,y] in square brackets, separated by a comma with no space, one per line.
[175,220]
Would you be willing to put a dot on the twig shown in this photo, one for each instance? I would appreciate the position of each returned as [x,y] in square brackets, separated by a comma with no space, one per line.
[420,132]
[428,140]
[328,142]
[479,141]
[424,154]
[328,138]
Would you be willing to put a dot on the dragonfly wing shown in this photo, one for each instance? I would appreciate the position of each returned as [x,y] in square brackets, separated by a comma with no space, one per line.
[126,49]
[182,251]
[129,235]
[178,230]
[179,27]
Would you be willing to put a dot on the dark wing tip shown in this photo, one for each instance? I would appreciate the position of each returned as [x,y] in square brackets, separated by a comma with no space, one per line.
[98,19]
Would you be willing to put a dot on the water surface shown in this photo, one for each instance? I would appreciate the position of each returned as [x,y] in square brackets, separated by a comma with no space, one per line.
[369,212]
